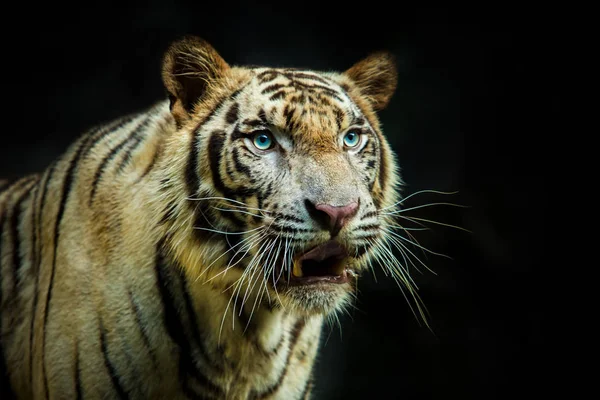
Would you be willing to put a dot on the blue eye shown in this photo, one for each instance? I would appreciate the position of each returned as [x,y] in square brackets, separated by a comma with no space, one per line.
[263,140]
[351,139]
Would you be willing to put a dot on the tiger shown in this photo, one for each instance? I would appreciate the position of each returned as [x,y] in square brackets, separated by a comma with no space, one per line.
[197,248]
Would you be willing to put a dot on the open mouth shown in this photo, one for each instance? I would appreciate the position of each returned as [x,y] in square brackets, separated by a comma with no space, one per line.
[326,263]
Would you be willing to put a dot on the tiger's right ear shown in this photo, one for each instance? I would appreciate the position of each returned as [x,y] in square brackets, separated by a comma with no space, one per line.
[190,66]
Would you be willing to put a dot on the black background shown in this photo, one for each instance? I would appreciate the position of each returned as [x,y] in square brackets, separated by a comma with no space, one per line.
[472,113]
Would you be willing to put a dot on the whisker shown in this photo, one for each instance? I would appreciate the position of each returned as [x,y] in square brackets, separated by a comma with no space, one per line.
[238,211]
[244,205]
[228,233]
[397,266]
[424,205]
[434,222]
[238,282]
[416,193]
[417,245]
[270,249]
[246,246]
[241,243]
[402,283]
[403,254]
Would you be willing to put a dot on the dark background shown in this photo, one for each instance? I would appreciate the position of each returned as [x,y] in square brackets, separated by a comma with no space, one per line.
[472,113]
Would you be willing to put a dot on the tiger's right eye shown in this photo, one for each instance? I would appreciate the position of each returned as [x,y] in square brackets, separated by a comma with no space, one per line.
[263,140]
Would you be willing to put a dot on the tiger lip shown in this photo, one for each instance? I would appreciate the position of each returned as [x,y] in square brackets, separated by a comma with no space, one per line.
[325,263]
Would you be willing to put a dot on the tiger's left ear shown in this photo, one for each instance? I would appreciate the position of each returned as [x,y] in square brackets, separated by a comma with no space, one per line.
[190,67]
[376,77]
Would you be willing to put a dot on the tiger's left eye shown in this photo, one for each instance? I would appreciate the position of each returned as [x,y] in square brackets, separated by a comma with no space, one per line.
[351,139]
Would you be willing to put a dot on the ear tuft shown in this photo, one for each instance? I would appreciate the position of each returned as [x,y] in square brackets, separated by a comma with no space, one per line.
[376,77]
[190,66]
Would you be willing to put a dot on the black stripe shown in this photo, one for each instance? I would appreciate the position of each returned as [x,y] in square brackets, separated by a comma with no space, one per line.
[304,75]
[295,335]
[288,113]
[101,132]
[262,115]
[38,260]
[19,184]
[307,387]
[358,121]
[112,372]
[268,75]
[65,192]
[239,166]
[237,134]
[368,227]
[114,151]
[287,217]
[138,319]
[34,230]
[273,88]
[317,89]
[279,95]
[232,114]
[254,123]
[369,215]
[78,388]
[215,147]
[14,227]
[191,171]
[268,192]
[136,138]
[191,315]
[175,329]
[168,213]
[203,218]
[290,229]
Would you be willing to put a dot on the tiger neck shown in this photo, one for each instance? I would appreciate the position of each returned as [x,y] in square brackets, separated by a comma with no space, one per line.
[234,325]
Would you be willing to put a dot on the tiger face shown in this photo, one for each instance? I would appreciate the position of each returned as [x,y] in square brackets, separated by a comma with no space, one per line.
[289,169]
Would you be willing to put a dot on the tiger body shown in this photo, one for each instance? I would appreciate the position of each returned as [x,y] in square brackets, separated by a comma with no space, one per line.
[134,266]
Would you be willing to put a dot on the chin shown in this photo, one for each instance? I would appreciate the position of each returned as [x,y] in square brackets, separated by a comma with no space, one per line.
[316,299]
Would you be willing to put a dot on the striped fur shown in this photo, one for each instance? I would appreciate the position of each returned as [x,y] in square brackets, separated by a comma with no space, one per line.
[143,262]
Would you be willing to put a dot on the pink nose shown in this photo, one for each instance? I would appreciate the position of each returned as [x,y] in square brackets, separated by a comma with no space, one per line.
[338,216]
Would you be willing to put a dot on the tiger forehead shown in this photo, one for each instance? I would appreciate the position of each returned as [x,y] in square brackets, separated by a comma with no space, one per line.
[298,102]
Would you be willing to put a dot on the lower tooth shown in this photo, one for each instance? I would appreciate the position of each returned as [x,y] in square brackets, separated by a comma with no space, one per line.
[297,271]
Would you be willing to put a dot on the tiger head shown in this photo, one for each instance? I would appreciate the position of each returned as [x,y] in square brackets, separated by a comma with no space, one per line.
[285,174]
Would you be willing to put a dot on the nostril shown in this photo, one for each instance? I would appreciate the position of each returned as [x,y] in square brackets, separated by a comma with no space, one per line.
[317,215]
[333,217]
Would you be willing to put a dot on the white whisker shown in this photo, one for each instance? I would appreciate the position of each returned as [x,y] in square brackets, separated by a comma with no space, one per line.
[433,222]
[422,206]
[417,245]
[416,193]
